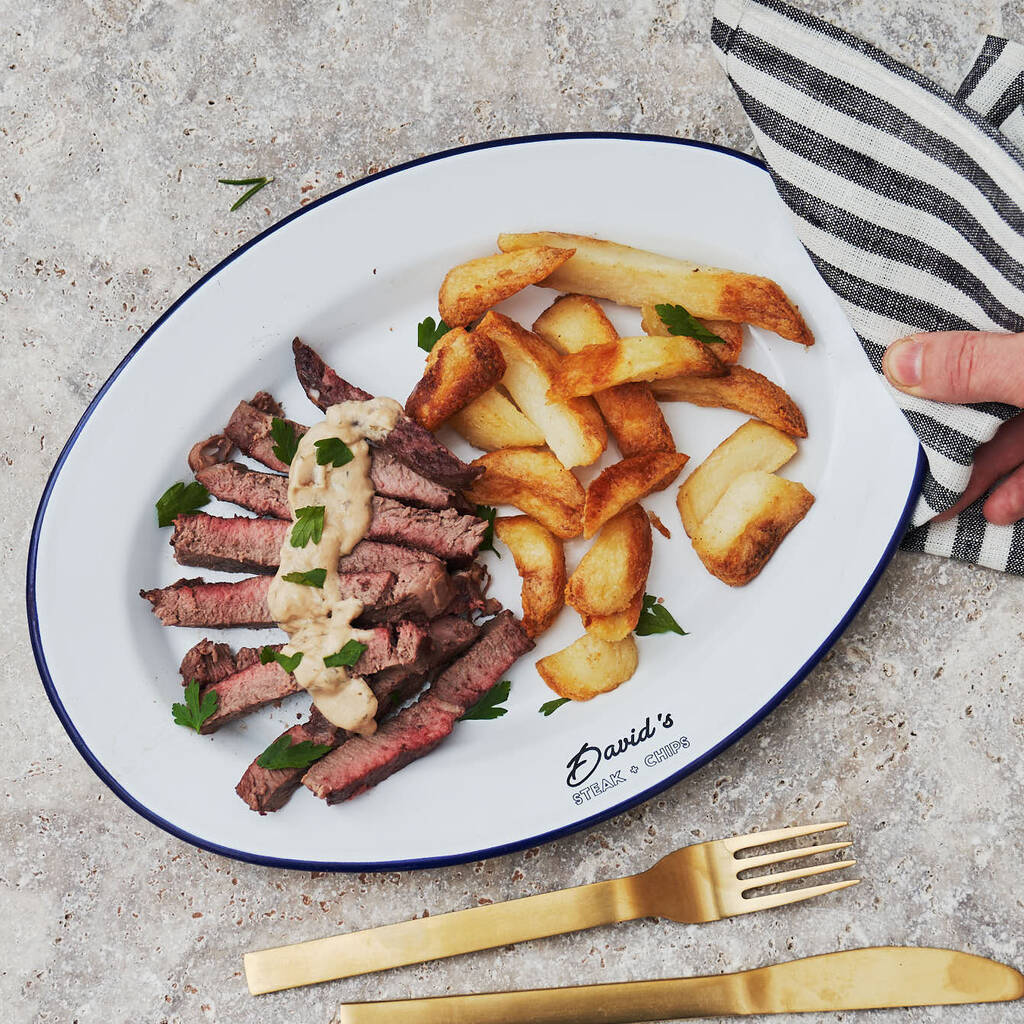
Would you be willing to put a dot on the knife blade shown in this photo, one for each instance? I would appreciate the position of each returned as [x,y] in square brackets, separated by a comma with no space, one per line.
[857,979]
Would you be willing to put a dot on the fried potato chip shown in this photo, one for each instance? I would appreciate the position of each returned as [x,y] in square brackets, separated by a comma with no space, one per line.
[743,390]
[492,421]
[572,323]
[535,482]
[540,561]
[589,666]
[617,625]
[634,277]
[573,429]
[727,351]
[748,523]
[626,482]
[614,570]
[631,359]
[460,368]
[470,289]
[755,445]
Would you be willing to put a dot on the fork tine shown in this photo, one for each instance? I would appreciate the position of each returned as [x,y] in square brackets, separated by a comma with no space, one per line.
[791,876]
[781,899]
[746,863]
[778,835]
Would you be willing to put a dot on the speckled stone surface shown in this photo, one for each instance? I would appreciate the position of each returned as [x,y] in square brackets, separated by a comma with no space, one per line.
[116,117]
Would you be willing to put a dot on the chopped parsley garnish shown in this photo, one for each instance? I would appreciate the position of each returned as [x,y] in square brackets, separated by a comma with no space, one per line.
[179,498]
[656,618]
[289,662]
[194,711]
[312,578]
[256,183]
[428,334]
[347,656]
[487,513]
[487,705]
[287,444]
[680,323]
[282,753]
[552,706]
[332,451]
[309,525]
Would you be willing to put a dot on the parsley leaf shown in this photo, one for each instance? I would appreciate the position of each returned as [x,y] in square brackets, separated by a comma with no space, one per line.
[282,753]
[288,662]
[487,513]
[347,656]
[428,334]
[313,578]
[332,451]
[287,443]
[680,323]
[194,711]
[552,706]
[487,705]
[309,525]
[180,498]
[655,618]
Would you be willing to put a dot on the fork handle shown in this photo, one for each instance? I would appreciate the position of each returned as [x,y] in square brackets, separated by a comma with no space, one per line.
[431,938]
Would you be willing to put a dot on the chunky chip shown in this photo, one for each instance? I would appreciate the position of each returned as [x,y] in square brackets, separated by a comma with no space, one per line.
[540,561]
[573,428]
[470,289]
[618,624]
[574,322]
[748,523]
[755,445]
[743,390]
[614,570]
[589,666]
[631,359]
[491,422]
[626,482]
[535,482]
[460,368]
[727,351]
[634,277]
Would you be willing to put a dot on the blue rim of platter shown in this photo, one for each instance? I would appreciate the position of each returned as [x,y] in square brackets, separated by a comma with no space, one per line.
[460,858]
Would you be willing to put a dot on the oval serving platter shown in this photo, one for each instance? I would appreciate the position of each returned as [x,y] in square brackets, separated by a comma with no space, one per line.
[353,274]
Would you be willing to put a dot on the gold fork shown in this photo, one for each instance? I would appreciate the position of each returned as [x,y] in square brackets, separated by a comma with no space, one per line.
[693,885]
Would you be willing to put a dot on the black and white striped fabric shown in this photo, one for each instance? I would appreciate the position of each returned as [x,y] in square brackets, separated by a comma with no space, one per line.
[910,201]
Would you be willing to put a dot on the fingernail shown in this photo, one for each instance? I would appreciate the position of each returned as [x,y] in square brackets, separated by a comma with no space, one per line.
[903,361]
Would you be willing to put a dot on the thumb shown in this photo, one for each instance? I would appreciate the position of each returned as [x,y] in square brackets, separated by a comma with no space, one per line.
[958,366]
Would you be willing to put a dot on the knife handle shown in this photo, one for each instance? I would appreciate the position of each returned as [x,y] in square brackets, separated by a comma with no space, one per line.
[431,938]
[619,1003]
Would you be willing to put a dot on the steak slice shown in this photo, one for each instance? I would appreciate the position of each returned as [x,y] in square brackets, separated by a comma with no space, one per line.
[212,451]
[394,479]
[247,544]
[249,429]
[266,494]
[364,761]
[470,593]
[268,789]
[408,441]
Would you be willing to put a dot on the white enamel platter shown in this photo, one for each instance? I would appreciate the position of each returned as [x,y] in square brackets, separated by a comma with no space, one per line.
[352,275]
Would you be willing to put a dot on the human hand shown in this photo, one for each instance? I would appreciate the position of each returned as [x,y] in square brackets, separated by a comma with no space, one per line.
[972,366]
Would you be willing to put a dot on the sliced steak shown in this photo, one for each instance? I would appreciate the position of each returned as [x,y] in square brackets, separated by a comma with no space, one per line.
[267,789]
[408,441]
[266,494]
[469,597]
[207,662]
[247,544]
[266,402]
[249,429]
[246,691]
[213,450]
[394,479]
[362,762]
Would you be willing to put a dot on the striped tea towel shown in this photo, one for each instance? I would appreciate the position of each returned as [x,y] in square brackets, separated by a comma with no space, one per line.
[910,201]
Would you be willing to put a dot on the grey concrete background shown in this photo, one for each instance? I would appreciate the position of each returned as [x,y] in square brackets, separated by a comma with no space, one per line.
[116,117]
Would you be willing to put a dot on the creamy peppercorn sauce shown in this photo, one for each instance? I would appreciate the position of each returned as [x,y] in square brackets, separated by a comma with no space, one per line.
[318,621]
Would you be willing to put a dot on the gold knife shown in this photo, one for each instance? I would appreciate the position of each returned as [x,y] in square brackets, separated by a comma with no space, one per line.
[858,979]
